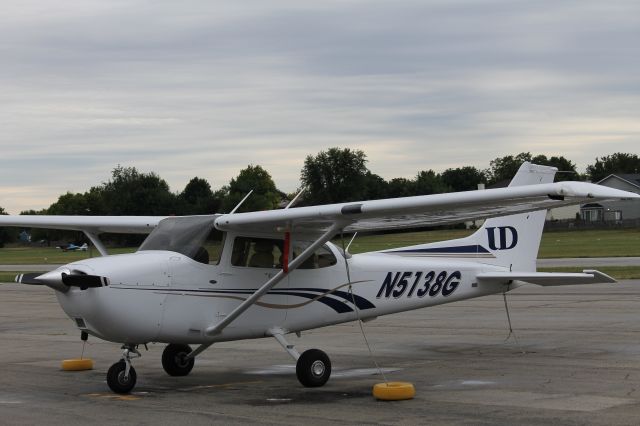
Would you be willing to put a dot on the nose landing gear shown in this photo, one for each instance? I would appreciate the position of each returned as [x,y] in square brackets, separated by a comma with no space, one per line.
[121,376]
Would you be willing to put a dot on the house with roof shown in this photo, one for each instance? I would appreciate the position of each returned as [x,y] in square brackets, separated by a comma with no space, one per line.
[614,211]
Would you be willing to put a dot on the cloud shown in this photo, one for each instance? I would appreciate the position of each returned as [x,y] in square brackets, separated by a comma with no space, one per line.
[205,88]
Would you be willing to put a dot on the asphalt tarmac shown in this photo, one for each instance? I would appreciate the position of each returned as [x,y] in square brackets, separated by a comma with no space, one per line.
[577,362]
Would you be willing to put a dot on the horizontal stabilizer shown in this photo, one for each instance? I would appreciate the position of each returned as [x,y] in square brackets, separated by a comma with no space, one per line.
[588,276]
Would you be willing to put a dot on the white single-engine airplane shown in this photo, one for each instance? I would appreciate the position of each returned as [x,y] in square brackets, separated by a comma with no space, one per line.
[275,272]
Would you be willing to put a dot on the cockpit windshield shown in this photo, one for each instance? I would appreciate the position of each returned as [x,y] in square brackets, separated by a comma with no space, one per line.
[187,235]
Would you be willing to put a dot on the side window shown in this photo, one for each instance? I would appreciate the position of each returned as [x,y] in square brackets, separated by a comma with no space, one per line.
[257,252]
[268,253]
[210,252]
[322,258]
[325,257]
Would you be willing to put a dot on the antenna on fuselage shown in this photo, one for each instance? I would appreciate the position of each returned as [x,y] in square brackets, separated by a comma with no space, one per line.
[292,202]
[346,250]
[241,201]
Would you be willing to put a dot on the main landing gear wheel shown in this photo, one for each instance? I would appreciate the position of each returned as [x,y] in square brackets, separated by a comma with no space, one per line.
[313,368]
[117,379]
[174,360]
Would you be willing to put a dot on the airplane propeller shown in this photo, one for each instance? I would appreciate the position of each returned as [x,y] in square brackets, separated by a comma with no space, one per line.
[59,280]
[30,278]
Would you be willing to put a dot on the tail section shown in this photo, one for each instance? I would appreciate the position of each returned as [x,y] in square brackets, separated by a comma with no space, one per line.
[509,241]
[515,240]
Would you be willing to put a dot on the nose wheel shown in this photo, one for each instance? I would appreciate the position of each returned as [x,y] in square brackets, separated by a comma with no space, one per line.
[121,376]
[118,379]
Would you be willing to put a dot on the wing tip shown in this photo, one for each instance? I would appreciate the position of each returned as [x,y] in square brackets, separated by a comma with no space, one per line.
[600,276]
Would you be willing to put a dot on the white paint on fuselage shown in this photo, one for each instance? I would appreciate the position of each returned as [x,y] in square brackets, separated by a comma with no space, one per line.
[158,296]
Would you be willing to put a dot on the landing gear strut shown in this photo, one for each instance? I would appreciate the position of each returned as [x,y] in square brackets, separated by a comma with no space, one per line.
[313,367]
[121,377]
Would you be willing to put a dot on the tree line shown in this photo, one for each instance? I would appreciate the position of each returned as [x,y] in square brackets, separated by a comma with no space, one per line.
[331,176]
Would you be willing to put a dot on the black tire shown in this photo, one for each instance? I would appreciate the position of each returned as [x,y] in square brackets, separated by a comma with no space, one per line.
[117,381]
[313,368]
[174,362]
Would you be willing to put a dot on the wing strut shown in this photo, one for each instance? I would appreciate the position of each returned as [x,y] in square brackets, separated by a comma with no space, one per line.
[95,240]
[330,233]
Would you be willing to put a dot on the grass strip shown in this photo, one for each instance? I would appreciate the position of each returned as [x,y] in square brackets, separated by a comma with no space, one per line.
[556,244]
[8,277]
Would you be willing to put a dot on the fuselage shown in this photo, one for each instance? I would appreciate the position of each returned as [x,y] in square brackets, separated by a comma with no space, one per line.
[163,296]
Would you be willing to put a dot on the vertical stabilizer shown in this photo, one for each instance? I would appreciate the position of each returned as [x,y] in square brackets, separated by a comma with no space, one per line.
[515,240]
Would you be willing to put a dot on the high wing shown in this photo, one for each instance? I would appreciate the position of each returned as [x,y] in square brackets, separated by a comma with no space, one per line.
[426,210]
[94,224]
[393,213]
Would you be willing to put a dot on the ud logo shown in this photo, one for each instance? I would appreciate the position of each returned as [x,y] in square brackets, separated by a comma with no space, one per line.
[507,237]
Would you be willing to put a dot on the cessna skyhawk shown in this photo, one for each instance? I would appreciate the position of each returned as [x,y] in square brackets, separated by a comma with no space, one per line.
[198,280]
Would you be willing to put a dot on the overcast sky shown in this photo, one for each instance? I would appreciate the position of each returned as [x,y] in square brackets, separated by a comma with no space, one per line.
[204,88]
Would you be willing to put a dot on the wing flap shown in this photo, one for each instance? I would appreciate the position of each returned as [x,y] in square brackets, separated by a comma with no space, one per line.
[588,276]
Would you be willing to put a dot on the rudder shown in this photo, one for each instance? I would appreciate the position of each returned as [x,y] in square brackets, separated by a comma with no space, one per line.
[515,240]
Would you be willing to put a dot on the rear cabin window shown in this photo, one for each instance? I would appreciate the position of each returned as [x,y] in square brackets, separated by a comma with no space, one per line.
[268,253]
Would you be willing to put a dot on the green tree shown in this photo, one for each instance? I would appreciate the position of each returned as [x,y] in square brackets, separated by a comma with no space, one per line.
[400,187]
[377,187]
[130,192]
[198,198]
[336,175]
[71,204]
[265,195]
[619,162]
[463,178]
[429,182]
[566,169]
[505,168]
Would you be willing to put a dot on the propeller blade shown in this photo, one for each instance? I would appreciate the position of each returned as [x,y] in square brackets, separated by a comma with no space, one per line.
[84,281]
[61,281]
[30,278]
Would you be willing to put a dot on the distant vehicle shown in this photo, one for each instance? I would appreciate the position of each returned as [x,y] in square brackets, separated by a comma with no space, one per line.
[73,247]
[276,272]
